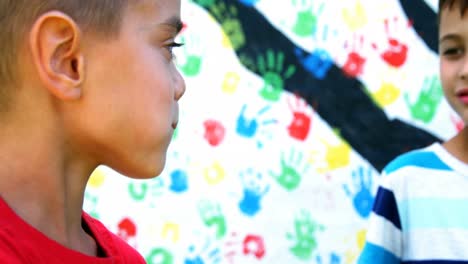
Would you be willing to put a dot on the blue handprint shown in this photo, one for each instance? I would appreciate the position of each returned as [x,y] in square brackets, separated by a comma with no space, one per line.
[363,199]
[254,191]
[248,2]
[209,254]
[248,128]
[179,182]
[334,259]
[319,62]
[177,173]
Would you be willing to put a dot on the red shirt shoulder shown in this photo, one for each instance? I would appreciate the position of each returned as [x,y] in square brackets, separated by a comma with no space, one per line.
[111,243]
[22,243]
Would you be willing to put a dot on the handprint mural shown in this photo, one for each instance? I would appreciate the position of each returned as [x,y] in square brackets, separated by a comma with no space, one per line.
[292,109]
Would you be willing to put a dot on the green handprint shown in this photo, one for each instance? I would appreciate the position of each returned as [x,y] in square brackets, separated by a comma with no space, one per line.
[193,57]
[271,67]
[212,216]
[159,256]
[304,237]
[90,203]
[175,134]
[227,17]
[307,18]
[428,101]
[137,190]
[205,3]
[290,177]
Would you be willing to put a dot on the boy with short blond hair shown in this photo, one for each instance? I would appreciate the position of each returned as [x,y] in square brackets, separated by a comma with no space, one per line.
[420,213]
[82,83]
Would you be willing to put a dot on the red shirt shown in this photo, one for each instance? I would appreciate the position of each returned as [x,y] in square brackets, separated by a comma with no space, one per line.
[22,243]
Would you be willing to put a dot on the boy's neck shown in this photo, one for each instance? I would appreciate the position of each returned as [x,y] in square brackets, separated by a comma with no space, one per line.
[458,145]
[43,183]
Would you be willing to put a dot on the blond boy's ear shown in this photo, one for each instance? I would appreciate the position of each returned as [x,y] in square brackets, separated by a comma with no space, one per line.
[55,44]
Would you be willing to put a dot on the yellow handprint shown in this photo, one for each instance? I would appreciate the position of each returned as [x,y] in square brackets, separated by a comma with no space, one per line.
[350,257]
[361,239]
[226,42]
[336,156]
[352,254]
[214,174]
[387,94]
[231,82]
[389,91]
[173,229]
[355,17]
[97,178]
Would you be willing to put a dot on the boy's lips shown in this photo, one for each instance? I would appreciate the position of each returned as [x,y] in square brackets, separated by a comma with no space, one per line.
[174,125]
[462,95]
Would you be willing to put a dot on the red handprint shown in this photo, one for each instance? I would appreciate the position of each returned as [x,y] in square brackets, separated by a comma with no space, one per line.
[127,229]
[354,64]
[458,122]
[254,245]
[214,132]
[300,125]
[396,52]
[250,245]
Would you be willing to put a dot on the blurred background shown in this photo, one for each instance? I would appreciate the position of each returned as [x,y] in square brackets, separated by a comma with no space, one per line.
[292,109]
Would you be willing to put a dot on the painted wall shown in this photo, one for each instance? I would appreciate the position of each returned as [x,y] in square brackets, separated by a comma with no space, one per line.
[292,108]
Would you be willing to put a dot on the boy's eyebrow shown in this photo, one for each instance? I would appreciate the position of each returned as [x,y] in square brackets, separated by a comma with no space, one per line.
[174,22]
[449,37]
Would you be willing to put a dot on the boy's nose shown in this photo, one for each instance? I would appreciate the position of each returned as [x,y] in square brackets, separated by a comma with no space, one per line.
[463,73]
[180,86]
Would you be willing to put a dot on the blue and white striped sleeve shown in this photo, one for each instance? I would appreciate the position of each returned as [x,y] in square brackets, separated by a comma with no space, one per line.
[383,238]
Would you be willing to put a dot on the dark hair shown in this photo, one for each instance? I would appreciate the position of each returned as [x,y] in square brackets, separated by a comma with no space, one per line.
[461,5]
[102,17]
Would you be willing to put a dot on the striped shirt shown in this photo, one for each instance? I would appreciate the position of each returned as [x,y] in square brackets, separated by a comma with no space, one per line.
[420,213]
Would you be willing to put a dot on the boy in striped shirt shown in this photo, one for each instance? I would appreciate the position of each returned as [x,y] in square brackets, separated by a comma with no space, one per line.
[420,213]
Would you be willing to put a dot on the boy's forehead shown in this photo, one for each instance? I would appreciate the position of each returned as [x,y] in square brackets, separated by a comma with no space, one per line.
[448,14]
[154,5]
[157,8]
[452,21]
[151,14]
[145,6]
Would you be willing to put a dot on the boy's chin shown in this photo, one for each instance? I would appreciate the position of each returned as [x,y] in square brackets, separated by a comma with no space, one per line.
[144,171]
[148,173]
[143,165]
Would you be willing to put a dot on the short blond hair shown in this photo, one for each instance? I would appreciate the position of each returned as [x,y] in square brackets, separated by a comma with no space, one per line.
[102,17]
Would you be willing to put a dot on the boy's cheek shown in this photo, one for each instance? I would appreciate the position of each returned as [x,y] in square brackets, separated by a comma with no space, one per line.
[447,74]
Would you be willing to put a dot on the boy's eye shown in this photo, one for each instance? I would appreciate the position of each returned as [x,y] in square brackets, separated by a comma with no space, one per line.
[171,46]
[452,52]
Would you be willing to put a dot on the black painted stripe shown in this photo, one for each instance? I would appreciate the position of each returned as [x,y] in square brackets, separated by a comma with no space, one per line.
[340,100]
